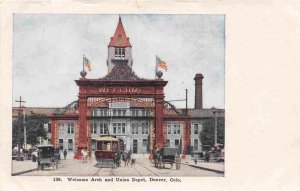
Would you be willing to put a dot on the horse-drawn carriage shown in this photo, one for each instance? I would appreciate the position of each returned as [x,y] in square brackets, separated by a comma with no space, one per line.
[167,155]
[106,151]
[46,157]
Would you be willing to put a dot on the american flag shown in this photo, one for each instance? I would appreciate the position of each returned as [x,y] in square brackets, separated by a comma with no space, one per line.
[161,64]
[87,63]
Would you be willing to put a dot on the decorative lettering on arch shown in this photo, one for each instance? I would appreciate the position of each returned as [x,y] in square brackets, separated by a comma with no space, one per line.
[120,90]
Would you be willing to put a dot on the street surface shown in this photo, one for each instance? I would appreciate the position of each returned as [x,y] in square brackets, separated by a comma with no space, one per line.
[143,167]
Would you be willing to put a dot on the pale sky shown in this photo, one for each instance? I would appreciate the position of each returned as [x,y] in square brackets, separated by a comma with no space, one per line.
[48,49]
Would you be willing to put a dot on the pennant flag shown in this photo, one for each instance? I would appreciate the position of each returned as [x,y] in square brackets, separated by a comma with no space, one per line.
[87,63]
[161,64]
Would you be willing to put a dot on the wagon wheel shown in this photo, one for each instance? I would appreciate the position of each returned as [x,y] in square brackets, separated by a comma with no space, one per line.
[39,166]
[157,161]
[160,161]
[178,163]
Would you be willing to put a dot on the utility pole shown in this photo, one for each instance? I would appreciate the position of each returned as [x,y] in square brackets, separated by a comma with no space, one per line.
[216,126]
[20,101]
[24,124]
[186,101]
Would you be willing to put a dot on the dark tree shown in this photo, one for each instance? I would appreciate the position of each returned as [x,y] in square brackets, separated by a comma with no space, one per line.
[207,135]
[34,128]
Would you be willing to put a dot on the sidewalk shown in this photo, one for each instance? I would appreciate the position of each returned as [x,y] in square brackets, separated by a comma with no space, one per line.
[19,167]
[211,166]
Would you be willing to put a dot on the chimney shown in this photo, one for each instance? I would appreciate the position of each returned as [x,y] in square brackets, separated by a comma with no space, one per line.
[198,91]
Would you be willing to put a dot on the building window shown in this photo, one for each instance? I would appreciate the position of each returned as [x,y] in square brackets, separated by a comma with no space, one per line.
[70,144]
[145,128]
[70,128]
[145,113]
[114,128]
[196,145]
[168,143]
[119,53]
[123,128]
[177,143]
[169,129]
[93,128]
[119,128]
[196,129]
[49,127]
[134,112]
[93,147]
[99,112]
[176,129]
[103,128]
[61,144]
[134,128]
[145,142]
[114,112]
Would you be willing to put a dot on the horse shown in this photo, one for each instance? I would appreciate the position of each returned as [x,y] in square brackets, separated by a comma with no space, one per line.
[126,157]
[118,159]
[133,161]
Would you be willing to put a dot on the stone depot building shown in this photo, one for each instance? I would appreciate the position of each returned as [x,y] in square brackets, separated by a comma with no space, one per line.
[127,106]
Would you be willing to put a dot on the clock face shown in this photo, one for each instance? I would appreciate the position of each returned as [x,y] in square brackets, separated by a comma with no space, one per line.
[120,39]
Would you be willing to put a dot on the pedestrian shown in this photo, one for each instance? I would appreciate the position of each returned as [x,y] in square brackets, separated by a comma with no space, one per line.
[82,155]
[207,156]
[85,155]
[65,153]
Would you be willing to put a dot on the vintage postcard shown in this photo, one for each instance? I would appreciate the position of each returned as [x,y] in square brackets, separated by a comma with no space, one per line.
[144,95]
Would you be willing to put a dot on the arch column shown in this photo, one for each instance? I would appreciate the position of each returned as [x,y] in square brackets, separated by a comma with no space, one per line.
[82,134]
[159,133]
[54,133]
[186,137]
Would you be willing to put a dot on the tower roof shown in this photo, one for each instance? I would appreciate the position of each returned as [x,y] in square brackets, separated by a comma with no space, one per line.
[121,72]
[119,39]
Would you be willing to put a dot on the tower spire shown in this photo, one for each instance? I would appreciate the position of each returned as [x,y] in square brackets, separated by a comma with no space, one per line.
[119,48]
[119,39]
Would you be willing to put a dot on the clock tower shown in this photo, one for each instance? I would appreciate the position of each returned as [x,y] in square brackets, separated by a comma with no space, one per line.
[119,48]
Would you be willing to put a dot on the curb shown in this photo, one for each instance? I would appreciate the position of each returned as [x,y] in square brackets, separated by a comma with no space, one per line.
[23,172]
[203,168]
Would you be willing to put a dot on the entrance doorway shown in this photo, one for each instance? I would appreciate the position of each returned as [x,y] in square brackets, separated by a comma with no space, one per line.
[121,145]
[135,146]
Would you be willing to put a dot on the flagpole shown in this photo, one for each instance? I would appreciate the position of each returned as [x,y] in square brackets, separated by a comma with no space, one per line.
[155,70]
[83,62]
